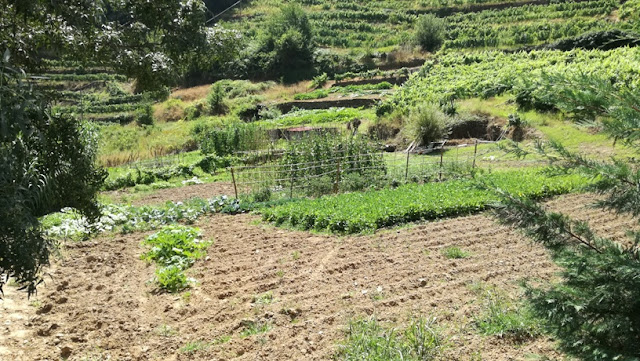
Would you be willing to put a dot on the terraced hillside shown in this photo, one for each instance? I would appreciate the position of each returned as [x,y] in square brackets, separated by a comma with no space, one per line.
[478,24]
[91,92]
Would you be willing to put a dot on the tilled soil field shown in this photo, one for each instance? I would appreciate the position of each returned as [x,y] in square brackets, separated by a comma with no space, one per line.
[99,304]
[160,196]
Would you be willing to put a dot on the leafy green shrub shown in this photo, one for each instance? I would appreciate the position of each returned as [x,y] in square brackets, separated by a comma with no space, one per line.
[426,124]
[429,32]
[47,162]
[144,115]
[171,279]
[319,81]
[195,111]
[287,46]
[369,340]
[175,245]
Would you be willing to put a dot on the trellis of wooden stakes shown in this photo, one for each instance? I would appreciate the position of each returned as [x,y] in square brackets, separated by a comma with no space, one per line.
[402,166]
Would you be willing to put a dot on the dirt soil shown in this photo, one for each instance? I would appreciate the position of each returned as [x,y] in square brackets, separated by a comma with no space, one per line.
[160,196]
[99,303]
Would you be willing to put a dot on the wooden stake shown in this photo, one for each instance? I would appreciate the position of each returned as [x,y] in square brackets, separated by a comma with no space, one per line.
[291,185]
[336,185]
[475,152]
[441,158]
[406,171]
[235,187]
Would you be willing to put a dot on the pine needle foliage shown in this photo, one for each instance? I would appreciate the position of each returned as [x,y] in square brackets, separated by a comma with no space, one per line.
[594,311]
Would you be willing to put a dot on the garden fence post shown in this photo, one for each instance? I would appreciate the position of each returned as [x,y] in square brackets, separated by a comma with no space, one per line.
[441,158]
[336,186]
[291,186]
[235,187]
[406,170]
[475,153]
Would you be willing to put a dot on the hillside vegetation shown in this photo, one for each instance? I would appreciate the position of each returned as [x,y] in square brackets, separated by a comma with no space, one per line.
[321,179]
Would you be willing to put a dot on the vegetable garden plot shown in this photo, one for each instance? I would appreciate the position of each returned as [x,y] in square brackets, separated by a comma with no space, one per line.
[368,211]
[344,172]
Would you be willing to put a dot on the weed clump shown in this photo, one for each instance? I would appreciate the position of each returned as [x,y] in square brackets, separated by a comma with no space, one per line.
[426,124]
[369,340]
[504,318]
[455,253]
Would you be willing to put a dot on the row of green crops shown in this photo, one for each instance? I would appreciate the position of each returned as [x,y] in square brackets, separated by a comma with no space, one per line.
[83,77]
[364,89]
[90,108]
[70,225]
[319,116]
[529,24]
[491,73]
[368,211]
[226,140]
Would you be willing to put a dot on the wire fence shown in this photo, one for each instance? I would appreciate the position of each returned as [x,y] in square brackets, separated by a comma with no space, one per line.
[158,162]
[344,172]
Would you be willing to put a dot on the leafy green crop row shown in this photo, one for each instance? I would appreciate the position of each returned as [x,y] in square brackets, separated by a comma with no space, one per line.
[84,77]
[368,211]
[310,117]
[108,108]
[345,90]
[68,224]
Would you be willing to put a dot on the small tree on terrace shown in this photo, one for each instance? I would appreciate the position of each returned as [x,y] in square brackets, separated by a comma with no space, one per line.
[288,39]
[430,32]
[595,310]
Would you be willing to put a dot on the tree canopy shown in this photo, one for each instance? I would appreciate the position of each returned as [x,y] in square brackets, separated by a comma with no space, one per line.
[595,310]
[150,41]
